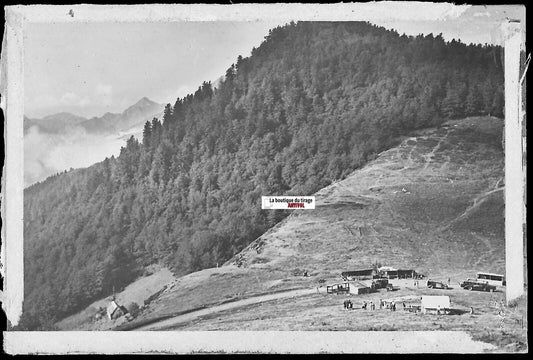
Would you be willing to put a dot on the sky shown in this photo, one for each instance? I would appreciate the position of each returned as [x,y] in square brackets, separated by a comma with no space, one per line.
[92,68]
[475,24]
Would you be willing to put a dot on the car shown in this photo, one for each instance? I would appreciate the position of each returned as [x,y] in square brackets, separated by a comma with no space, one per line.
[433,284]
[390,287]
[471,284]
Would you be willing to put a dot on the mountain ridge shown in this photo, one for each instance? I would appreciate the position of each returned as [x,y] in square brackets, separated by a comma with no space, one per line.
[134,115]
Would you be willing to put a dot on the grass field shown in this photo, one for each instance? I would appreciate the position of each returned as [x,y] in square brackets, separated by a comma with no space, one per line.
[322,312]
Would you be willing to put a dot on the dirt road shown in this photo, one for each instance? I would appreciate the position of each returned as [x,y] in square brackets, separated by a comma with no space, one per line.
[167,324]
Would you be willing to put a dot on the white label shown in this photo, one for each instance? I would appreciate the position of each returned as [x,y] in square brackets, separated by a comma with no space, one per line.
[287,202]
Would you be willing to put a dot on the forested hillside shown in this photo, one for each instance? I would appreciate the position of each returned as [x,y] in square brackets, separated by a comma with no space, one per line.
[313,102]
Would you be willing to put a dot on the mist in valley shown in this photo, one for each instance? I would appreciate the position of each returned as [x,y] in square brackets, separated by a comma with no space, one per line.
[46,154]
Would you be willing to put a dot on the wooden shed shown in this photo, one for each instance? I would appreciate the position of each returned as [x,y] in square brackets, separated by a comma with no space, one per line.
[359,274]
[114,310]
[358,288]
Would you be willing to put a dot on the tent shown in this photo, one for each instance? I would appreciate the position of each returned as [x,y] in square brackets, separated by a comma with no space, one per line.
[436,304]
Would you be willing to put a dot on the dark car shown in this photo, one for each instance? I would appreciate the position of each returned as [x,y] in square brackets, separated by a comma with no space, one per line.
[471,284]
[433,284]
[390,287]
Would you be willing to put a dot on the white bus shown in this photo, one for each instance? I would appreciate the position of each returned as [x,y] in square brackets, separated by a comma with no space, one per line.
[492,279]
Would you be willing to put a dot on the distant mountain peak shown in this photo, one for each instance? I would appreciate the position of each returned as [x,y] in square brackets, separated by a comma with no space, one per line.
[64,115]
[144,102]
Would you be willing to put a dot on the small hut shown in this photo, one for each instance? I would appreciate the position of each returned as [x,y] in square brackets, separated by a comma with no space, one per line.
[114,310]
[358,288]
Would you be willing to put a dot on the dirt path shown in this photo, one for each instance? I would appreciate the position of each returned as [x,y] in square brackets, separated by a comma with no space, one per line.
[429,156]
[168,323]
[478,200]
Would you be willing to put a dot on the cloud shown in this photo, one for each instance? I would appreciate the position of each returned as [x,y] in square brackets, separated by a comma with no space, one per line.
[453,12]
[165,97]
[72,99]
[46,154]
[408,11]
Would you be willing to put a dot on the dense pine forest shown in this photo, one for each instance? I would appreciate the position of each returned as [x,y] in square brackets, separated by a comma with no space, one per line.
[313,102]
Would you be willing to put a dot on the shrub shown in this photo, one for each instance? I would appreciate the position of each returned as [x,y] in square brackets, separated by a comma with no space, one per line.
[133,309]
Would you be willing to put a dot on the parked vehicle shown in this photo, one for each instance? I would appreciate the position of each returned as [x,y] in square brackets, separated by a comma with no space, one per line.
[380,283]
[492,279]
[471,284]
[390,287]
[433,284]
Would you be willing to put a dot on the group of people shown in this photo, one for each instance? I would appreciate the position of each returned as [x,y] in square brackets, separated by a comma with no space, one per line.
[371,305]
[348,304]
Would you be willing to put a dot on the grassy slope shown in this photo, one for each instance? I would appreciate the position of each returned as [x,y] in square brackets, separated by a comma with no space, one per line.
[136,292]
[434,203]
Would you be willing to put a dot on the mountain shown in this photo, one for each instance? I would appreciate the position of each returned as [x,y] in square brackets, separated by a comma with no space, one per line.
[313,103]
[134,116]
[56,123]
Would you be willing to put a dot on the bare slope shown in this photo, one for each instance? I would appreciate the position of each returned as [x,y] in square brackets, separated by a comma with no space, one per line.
[434,203]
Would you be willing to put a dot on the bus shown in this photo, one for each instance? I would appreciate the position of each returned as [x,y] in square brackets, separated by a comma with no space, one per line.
[492,279]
